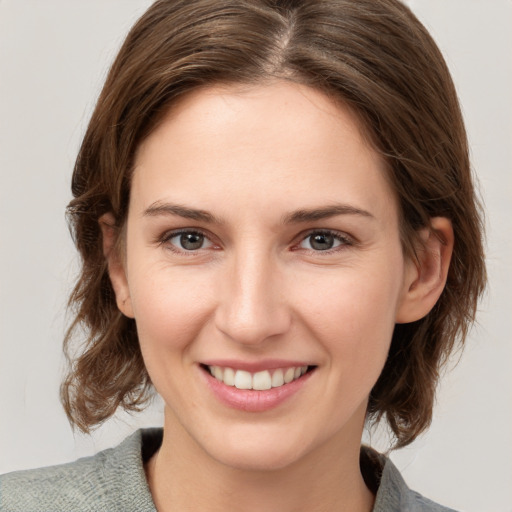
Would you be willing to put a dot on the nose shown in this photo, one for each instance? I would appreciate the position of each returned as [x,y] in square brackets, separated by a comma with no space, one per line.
[252,305]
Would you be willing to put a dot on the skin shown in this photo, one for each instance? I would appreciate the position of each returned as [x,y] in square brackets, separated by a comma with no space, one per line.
[257,289]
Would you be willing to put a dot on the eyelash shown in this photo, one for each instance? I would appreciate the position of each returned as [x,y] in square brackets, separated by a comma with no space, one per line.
[165,241]
[345,241]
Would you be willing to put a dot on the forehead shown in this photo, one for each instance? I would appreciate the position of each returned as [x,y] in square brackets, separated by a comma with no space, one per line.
[267,108]
[284,141]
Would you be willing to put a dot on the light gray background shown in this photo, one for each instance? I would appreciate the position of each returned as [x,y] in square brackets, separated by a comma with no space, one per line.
[53,58]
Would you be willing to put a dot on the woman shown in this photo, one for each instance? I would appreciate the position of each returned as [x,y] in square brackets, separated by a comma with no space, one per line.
[277,223]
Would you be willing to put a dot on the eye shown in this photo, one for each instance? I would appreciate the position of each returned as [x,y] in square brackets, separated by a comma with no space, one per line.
[323,241]
[189,241]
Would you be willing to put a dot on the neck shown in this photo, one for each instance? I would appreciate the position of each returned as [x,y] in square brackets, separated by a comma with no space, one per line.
[182,476]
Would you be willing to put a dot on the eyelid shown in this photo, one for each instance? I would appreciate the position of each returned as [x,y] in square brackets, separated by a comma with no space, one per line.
[345,239]
[164,239]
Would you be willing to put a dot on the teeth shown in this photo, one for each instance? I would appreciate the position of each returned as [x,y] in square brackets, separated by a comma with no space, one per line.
[243,380]
[259,381]
[218,373]
[289,375]
[229,376]
[277,378]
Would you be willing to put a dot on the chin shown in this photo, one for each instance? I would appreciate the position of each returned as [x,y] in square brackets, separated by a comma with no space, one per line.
[259,459]
[260,451]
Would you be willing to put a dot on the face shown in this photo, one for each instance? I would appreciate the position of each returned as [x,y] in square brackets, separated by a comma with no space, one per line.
[265,272]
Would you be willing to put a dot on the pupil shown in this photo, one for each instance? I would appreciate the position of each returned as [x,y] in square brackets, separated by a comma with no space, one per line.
[191,241]
[322,241]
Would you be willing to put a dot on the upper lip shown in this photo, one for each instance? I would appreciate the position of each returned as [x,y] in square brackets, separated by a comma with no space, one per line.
[255,366]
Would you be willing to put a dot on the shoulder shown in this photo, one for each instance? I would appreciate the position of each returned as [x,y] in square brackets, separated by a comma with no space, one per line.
[110,480]
[76,485]
[393,494]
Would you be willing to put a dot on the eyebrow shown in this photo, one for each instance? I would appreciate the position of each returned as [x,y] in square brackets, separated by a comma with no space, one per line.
[304,215]
[160,208]
[309,215]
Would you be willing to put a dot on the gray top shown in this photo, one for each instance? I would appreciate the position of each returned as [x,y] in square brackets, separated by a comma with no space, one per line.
[114,480]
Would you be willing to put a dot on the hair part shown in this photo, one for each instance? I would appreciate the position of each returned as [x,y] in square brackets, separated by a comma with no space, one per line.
[374,57]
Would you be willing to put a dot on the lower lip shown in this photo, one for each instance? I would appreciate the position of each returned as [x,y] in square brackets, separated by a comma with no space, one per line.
[250,400]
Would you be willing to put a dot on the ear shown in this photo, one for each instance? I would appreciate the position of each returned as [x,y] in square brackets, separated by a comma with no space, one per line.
[116,270]
[425,278]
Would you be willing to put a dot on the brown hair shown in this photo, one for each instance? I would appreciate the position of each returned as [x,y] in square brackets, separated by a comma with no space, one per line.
[373,56]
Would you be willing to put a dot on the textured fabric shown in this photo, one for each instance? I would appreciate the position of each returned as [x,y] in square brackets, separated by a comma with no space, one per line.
[114,480]
[393,494]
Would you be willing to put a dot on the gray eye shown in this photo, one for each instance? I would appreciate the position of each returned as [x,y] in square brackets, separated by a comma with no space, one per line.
[321,241]
[190,241]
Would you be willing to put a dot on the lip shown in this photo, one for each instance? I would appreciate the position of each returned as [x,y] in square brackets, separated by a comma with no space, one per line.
[249,400]
[257,366]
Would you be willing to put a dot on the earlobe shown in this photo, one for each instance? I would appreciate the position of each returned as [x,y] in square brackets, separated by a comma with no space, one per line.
[425,278]
[116,268]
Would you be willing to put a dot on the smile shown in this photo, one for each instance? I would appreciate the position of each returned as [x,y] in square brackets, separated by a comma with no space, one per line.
[256,387]
[259,381]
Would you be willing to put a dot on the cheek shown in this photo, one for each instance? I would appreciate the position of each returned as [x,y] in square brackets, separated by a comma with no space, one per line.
[169,309]
[353,315]
[170,312]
